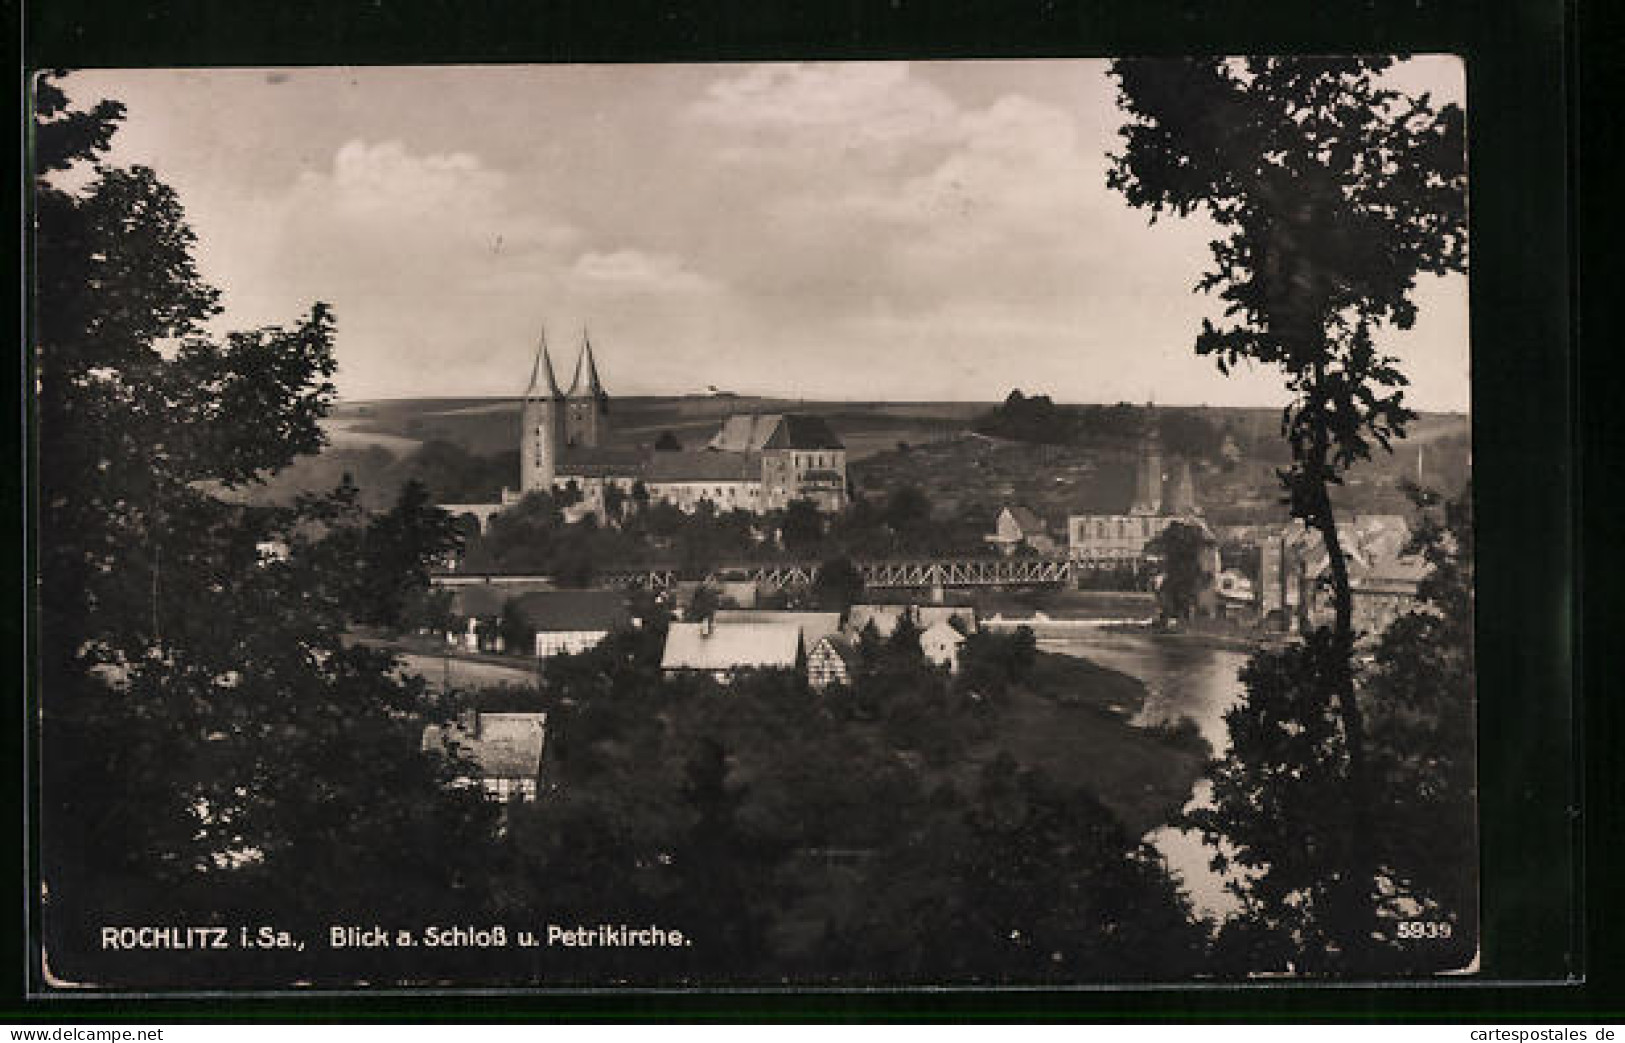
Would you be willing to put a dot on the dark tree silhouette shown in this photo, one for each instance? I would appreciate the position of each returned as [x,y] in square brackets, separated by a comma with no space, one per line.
[1183,570]
[1333,193]
[211,743]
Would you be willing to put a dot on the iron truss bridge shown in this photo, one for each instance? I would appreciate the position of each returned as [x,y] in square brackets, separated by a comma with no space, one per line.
[917,573]
[922,573]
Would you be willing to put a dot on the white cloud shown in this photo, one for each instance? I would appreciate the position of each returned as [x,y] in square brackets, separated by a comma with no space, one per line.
[634,271]
[795,99]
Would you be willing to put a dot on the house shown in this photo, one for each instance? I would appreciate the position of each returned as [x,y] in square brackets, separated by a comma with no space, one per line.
[886,617]
[940,643]
[1019,526]
[571,621]
[1386,590]
[833,660]
[1295,566]
[814,626]
[505,749]
[723,650]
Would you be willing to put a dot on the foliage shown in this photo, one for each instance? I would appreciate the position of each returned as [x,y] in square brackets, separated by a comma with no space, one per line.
[1181,548]
[211,744]
[1419,699]
[1036,418]
[1333,193]
[1026,882]
[838,585]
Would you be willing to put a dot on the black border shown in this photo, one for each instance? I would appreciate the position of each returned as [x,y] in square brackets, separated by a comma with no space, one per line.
[1522,108]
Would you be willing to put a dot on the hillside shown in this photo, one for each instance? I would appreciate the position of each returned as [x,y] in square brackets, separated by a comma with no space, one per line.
[472,452]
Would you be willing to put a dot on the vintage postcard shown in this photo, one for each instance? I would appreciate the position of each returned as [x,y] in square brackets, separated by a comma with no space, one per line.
[952,524]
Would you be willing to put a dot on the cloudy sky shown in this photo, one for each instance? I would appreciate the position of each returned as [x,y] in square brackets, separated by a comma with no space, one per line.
[904,231]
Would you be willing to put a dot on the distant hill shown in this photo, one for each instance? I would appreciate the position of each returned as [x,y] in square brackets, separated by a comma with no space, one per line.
[466,449]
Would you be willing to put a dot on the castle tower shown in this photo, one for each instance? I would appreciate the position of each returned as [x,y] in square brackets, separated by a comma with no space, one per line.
[586,408]
[541,425]
[1182,500]
[1148,476]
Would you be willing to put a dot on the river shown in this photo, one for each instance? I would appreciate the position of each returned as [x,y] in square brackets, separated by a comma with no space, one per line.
[1182,679]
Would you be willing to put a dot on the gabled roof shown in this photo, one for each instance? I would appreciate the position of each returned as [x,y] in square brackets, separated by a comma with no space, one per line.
[804,432]
[1027,519]
[813,625]
[556,610]
[704,467]
[590,461]
[941,631]
[502,745]
[745,432]
[840,646]
[701,646]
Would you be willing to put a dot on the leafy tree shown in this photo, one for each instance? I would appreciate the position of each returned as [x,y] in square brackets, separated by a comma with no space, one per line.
[518,635]
[838,585]
[1182,550]
[209,738]
[1419,697]
[1333,193]
[803,527]
[908,514]
[394,551]
[1026,882]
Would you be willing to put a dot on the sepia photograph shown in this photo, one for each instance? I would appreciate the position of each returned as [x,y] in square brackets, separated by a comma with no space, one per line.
[886,525]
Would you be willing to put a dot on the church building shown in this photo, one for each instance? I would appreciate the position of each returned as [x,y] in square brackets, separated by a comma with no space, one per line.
[1160,499]
[756,462]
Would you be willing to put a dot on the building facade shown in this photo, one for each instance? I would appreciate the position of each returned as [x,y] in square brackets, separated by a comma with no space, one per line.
[756,462]
[1160,499]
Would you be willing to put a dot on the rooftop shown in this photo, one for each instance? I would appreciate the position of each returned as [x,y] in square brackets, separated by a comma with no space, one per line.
[705,467]
[813,625]
[702,646]
[551,610]
[502,745]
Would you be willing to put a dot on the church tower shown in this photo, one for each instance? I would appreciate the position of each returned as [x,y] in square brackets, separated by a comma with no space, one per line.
[541,425]
[586,408]
[1148,476]
[1182,501]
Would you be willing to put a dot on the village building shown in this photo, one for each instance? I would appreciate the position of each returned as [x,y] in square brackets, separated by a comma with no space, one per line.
[884,618]
[1386,590]
[832,661]
[1160,500]
[813,626]
[505,749]
[1018,526]
[940,643]
[1293,586]
[756,462]
[571,621]
[722,651]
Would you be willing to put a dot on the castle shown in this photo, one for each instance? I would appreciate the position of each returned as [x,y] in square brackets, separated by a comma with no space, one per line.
[757,462]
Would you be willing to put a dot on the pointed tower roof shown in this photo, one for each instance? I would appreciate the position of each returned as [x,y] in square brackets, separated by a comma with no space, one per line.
[593,384]
[543,363]
[594,388]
